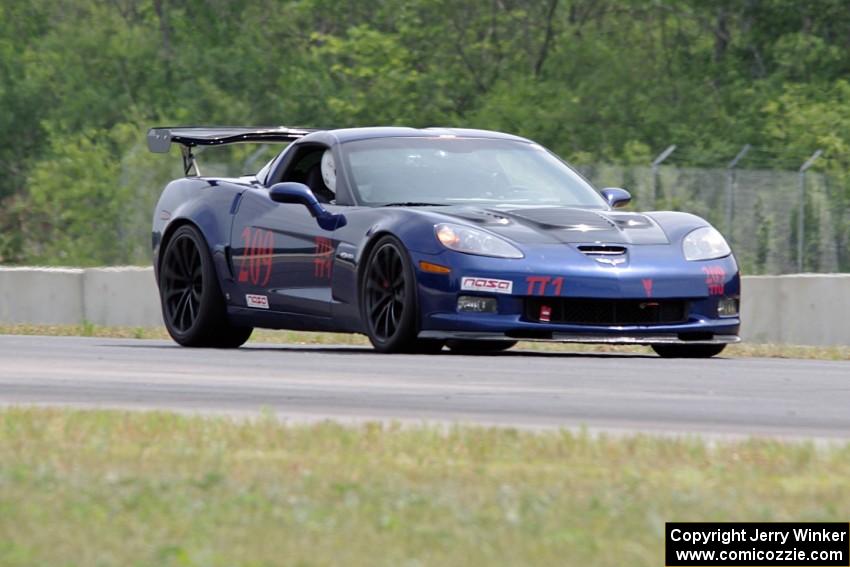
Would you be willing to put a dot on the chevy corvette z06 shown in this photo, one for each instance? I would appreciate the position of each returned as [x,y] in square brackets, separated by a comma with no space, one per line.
[425,238]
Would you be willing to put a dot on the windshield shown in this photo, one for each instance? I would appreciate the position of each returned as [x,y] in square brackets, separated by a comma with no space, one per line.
[453,171]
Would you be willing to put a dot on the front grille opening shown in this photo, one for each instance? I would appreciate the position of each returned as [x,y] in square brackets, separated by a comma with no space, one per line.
[577,311]
[602,249]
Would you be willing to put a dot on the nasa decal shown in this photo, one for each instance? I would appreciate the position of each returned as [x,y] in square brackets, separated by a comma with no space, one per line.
[257,301]
[486,284]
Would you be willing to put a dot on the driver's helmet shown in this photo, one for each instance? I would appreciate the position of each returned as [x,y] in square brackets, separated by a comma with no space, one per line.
[329,170]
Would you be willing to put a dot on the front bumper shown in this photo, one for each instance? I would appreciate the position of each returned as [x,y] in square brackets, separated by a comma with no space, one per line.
[700,285]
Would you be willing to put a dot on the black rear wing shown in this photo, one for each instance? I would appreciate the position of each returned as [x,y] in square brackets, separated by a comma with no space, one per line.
[161,138]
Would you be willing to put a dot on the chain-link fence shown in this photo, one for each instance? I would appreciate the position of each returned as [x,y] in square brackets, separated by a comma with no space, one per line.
[757,210]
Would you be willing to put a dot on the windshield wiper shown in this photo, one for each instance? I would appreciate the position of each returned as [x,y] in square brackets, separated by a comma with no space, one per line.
[414,204]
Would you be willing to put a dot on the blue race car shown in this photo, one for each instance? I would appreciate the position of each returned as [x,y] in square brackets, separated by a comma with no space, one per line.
[425,238]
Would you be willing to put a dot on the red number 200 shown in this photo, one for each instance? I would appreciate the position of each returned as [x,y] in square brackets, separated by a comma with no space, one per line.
[256,264]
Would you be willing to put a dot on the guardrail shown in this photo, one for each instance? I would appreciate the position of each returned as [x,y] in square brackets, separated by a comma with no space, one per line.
[804,309]
[801,309]
[122,296]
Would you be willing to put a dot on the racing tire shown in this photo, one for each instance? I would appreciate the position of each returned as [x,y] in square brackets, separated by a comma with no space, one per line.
[388,300]
[687,351]
[469,346]
[193,307]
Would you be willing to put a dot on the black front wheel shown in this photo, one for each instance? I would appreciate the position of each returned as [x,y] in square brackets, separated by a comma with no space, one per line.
[388,300]
[687,351]
[193,307]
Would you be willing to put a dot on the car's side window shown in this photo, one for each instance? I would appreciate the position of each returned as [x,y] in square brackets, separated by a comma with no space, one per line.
[305,167]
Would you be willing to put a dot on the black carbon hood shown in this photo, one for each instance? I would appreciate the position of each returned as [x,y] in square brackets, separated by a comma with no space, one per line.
[563,224]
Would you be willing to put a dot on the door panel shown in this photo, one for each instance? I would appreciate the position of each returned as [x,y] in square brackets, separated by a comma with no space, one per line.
[278,254]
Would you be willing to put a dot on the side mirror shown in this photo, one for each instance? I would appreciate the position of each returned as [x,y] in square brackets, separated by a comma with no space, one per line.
[616,197]
[298,193]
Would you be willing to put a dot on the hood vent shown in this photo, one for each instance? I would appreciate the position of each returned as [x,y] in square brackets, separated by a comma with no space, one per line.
[485,216]
[602,249]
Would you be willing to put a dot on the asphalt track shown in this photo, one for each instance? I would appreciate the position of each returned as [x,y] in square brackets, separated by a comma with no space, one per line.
[727,397]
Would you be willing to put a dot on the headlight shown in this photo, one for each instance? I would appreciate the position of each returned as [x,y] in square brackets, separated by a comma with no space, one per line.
[705,244]
[474,241]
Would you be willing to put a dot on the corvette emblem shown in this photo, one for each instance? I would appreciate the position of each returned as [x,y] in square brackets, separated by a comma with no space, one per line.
[611,261]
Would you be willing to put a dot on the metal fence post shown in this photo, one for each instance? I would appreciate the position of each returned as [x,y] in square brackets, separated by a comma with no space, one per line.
[730,187]
[801,215]
[655,163]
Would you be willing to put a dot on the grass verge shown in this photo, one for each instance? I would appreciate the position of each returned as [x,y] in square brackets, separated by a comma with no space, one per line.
[123,488]
[303,338]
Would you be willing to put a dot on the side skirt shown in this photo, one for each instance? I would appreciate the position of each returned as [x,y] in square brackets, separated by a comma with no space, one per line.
[281,320]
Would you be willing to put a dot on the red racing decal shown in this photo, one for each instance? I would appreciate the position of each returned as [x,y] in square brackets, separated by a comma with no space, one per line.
[558,284]
[714,279]
[647,286]
[323,262]
[256,265]
[537,285]
[534,281]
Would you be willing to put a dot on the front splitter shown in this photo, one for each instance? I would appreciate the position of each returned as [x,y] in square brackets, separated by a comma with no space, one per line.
[581,338]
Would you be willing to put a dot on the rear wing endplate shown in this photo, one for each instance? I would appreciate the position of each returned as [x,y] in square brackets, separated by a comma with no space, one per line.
[161,138]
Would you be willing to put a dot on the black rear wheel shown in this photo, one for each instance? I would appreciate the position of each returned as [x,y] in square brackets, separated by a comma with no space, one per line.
[193,307]
[687,351]
[181,283]
[388,300]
